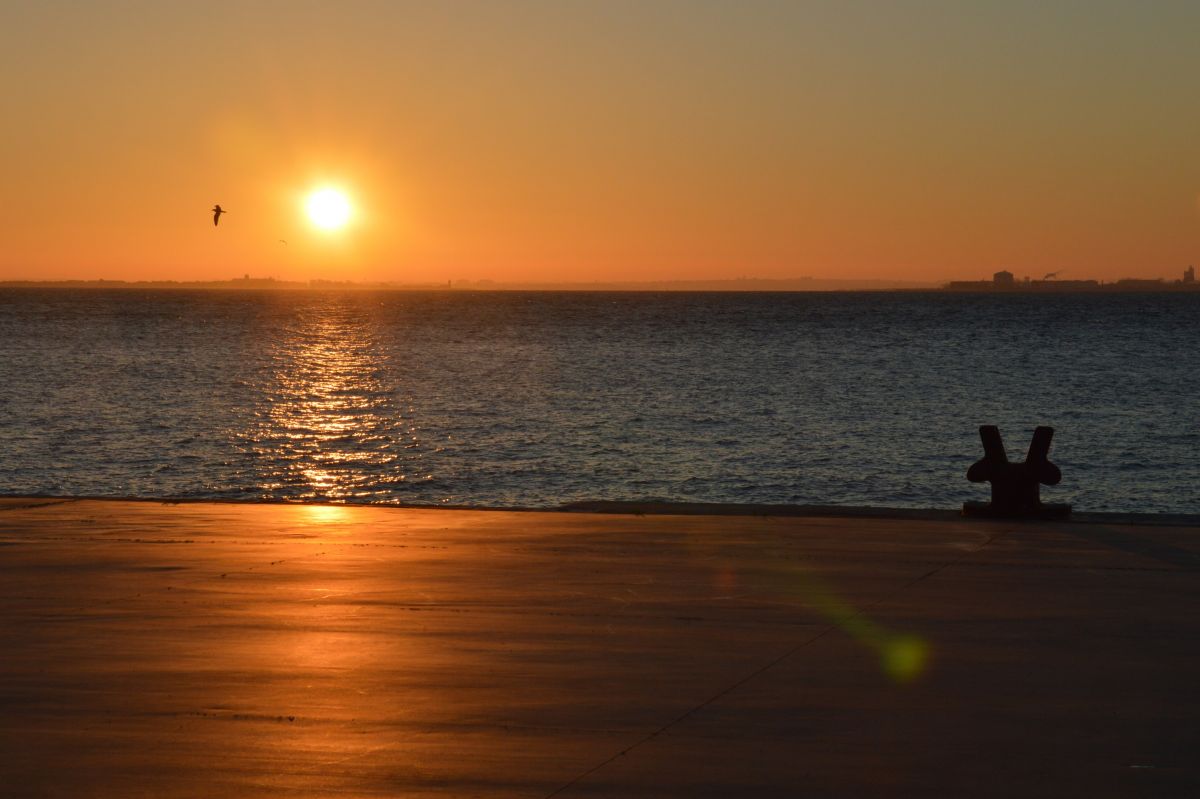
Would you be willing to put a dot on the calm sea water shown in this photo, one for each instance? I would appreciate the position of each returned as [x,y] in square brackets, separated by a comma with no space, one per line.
[537,399]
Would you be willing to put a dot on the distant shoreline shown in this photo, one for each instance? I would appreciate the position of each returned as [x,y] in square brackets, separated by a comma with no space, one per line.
[271,284]
[721,286]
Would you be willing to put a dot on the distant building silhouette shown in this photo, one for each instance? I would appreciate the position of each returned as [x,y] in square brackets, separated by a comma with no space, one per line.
[1005,282]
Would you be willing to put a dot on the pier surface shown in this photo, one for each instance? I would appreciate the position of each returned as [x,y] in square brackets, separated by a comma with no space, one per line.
[202,649]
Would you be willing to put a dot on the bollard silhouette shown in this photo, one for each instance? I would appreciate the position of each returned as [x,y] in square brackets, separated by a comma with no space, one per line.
[1016,487]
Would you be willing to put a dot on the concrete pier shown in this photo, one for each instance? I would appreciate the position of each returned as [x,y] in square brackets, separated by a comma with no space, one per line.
[203,650]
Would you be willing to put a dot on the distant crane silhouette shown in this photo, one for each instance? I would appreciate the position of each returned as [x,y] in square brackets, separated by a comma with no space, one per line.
[1054,274]
[217,211]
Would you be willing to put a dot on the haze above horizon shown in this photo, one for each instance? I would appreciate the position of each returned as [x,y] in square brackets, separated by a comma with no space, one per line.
[543,141]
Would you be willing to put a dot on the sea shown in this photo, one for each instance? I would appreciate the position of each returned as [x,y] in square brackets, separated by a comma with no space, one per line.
[540,399]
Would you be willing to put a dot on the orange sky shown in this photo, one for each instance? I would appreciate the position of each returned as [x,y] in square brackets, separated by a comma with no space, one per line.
[600,141]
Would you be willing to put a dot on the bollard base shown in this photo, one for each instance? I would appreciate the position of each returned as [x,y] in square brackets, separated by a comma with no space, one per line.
[1043,511]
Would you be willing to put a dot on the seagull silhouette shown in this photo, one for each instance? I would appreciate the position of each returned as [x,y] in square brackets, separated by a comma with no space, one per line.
[217,211]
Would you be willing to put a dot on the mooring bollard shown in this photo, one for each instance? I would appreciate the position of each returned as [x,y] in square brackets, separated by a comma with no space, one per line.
[1016,487]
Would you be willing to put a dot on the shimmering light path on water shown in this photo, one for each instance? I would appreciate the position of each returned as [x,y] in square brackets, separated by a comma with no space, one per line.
[536,399]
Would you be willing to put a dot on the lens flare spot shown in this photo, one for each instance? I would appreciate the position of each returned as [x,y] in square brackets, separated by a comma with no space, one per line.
[904,657]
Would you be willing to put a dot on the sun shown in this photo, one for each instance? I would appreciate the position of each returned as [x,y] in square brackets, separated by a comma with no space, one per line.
[328,208]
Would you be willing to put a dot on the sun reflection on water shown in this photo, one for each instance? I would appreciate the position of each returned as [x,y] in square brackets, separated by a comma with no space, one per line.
[329,427]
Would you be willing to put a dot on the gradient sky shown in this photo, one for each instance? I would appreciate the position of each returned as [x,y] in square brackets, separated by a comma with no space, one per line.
[600,140]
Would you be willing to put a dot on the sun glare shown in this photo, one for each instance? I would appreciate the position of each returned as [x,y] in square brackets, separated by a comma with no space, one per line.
[328,209]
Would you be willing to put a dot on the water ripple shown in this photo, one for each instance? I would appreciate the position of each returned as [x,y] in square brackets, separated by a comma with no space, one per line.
[539,399]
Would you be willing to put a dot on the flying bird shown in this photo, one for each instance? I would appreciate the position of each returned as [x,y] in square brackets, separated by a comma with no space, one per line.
[217,211]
